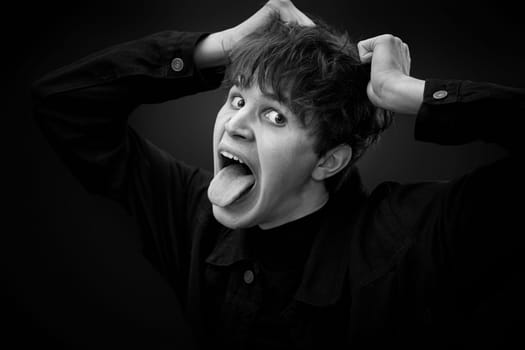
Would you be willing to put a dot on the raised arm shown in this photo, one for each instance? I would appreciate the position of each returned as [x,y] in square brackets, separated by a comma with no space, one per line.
[215,48]
[457,244]
[448,111]
[83,108]
[457,232]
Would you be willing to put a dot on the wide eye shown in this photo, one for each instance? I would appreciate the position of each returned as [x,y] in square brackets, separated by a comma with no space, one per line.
[275,117]
[237,102]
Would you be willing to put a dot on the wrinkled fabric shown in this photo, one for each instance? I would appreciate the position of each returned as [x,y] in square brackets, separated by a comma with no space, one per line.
[424,264]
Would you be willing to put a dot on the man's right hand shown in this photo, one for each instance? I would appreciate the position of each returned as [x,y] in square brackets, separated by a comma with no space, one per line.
[215,48]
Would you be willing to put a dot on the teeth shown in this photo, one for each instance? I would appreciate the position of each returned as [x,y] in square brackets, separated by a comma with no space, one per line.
[231,156]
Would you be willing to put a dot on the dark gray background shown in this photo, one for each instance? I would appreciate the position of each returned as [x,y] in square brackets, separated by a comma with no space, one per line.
[74,272]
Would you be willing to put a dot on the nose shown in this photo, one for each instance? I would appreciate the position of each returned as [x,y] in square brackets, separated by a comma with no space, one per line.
[240,125]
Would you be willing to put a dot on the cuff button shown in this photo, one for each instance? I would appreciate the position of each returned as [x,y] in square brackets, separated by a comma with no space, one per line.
[440,94]
[177,64]
[248,276]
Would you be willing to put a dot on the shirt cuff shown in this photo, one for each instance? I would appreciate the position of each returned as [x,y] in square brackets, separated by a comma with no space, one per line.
[179,63]
[435,120]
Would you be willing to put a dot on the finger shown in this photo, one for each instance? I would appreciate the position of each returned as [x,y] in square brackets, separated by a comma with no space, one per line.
[404,50]
[365,49]
[366,58]
[406,54]
[291,14]
[296,16]
[305,20]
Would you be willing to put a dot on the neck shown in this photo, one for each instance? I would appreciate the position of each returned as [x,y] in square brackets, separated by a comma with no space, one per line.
[311,207]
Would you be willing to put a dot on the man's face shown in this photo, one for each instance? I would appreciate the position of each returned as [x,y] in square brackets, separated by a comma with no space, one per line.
[274,184]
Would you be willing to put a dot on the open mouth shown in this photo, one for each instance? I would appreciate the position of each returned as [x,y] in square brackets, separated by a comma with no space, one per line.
[228,159]
[232,182]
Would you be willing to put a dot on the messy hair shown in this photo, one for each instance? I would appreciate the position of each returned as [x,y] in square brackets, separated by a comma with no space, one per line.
[316,72]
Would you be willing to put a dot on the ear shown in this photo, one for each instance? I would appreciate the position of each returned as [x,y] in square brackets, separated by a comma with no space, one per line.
[332,162]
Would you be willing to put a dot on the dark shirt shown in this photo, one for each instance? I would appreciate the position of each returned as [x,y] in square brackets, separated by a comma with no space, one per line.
[250,282]
[406,264]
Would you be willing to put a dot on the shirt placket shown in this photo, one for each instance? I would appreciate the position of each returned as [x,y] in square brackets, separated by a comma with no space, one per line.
[243,300]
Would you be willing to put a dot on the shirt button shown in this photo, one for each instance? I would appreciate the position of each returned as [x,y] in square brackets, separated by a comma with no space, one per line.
[177,64]
[440,94]
[248,276]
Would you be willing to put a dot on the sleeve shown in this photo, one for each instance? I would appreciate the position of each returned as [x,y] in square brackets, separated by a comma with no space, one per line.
[464,233]
[457,112]
[479,206]
[83,108]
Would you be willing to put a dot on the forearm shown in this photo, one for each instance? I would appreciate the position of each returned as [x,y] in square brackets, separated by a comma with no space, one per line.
[154,68]
[457,112]
[83,108]
[405,96]
[213,50]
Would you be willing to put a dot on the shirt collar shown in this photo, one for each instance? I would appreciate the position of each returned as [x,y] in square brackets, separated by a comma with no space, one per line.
[230,248]
[327,265]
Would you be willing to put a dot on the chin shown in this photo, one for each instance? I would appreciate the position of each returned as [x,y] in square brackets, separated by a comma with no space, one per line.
[231,220]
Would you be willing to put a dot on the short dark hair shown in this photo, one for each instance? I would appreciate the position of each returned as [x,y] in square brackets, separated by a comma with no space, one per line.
[317,73]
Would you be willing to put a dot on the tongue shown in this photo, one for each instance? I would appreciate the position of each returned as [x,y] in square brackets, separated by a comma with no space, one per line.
[229,184]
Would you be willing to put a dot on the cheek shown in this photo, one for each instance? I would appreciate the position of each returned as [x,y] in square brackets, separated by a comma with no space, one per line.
[287,158]
[220,120]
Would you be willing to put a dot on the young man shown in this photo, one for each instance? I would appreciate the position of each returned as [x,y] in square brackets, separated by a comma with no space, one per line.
[281,248]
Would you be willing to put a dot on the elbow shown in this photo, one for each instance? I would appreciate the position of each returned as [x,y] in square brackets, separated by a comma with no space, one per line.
[38,93]
[38,90]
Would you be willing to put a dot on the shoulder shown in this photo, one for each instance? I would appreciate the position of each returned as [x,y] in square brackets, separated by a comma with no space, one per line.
[395,215]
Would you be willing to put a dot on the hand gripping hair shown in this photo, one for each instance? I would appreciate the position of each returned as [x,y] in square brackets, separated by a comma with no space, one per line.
[317,73]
